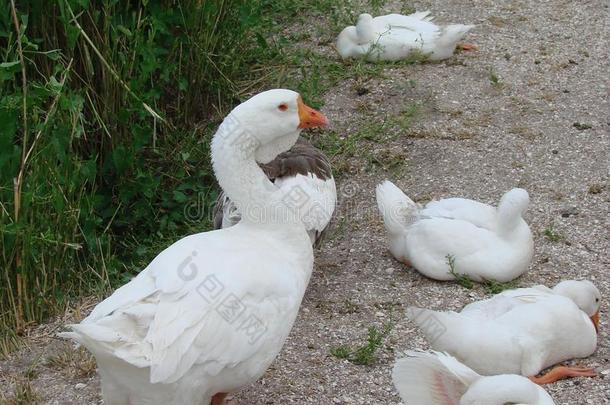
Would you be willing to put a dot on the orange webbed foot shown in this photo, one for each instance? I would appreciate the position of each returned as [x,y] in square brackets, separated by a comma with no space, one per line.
[467,47]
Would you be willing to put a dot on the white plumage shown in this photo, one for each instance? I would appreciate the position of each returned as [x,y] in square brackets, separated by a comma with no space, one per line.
[438,379]
[211,312]
[306,171]
[485,242]
[394,37]
[520,331]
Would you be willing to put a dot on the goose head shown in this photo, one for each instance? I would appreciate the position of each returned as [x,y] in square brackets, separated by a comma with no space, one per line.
[585,295]
[273,120]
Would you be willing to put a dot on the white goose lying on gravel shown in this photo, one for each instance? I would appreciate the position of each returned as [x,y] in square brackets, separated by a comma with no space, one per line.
[439,379]
[483,242]
[520,331]
[394,37]
[211,312]
[303,167]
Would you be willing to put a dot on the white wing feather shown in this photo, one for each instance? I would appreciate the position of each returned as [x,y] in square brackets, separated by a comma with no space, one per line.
[434,378]
[170,318]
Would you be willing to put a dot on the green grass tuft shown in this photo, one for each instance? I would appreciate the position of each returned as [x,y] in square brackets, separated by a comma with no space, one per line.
[496,287]
[367,353]
[494,79]
[552,235]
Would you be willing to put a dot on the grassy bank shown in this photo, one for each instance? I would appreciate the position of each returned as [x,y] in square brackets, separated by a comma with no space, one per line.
[106,109]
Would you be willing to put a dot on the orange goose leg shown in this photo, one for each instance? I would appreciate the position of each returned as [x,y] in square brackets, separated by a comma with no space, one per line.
[561,372]
[467,47]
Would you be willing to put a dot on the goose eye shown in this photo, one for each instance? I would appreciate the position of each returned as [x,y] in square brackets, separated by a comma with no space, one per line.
[282,107]
[596,299]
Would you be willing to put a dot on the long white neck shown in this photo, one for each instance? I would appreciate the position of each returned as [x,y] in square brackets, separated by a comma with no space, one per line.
[511,207]
[256,198]
[365,31]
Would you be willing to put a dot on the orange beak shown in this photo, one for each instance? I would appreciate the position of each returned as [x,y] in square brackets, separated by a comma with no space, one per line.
[310,118]
[595,320]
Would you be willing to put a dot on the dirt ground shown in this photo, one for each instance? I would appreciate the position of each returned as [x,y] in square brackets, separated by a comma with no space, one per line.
[529,108]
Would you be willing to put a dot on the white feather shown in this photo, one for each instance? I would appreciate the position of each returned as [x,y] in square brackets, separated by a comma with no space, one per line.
[436,378]
[485,242]
[521,331]
[394,36]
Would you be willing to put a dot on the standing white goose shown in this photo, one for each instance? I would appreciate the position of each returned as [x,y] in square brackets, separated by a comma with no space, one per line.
[303,167]
[520,331]
[485,243]
[438,379]
[211,312]
[394,37]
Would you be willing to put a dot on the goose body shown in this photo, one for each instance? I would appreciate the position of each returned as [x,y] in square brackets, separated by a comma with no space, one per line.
[436,378]
[484,242]
[211,312]
[303,167]
[520,331]
[394,37]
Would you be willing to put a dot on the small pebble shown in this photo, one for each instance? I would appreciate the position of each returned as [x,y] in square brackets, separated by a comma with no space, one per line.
[80,386]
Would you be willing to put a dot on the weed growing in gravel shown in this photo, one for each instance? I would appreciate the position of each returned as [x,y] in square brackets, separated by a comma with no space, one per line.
[496,287]
[552,235]
[491,286]
[78,363]
[389,160]
[494,78]
[341,352]
[407,8]
[596,188]
[462,279]
[339,148]
[364,355]
[415,57]
[23,394]
[339,229]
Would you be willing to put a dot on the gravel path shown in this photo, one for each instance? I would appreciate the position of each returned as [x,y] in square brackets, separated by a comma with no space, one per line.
[530,108]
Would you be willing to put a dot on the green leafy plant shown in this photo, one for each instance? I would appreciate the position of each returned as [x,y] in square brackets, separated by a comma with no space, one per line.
[552,235]
[365,354]
[462,279]
[494,79]
[491,286]
[496,287]
[106,113]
